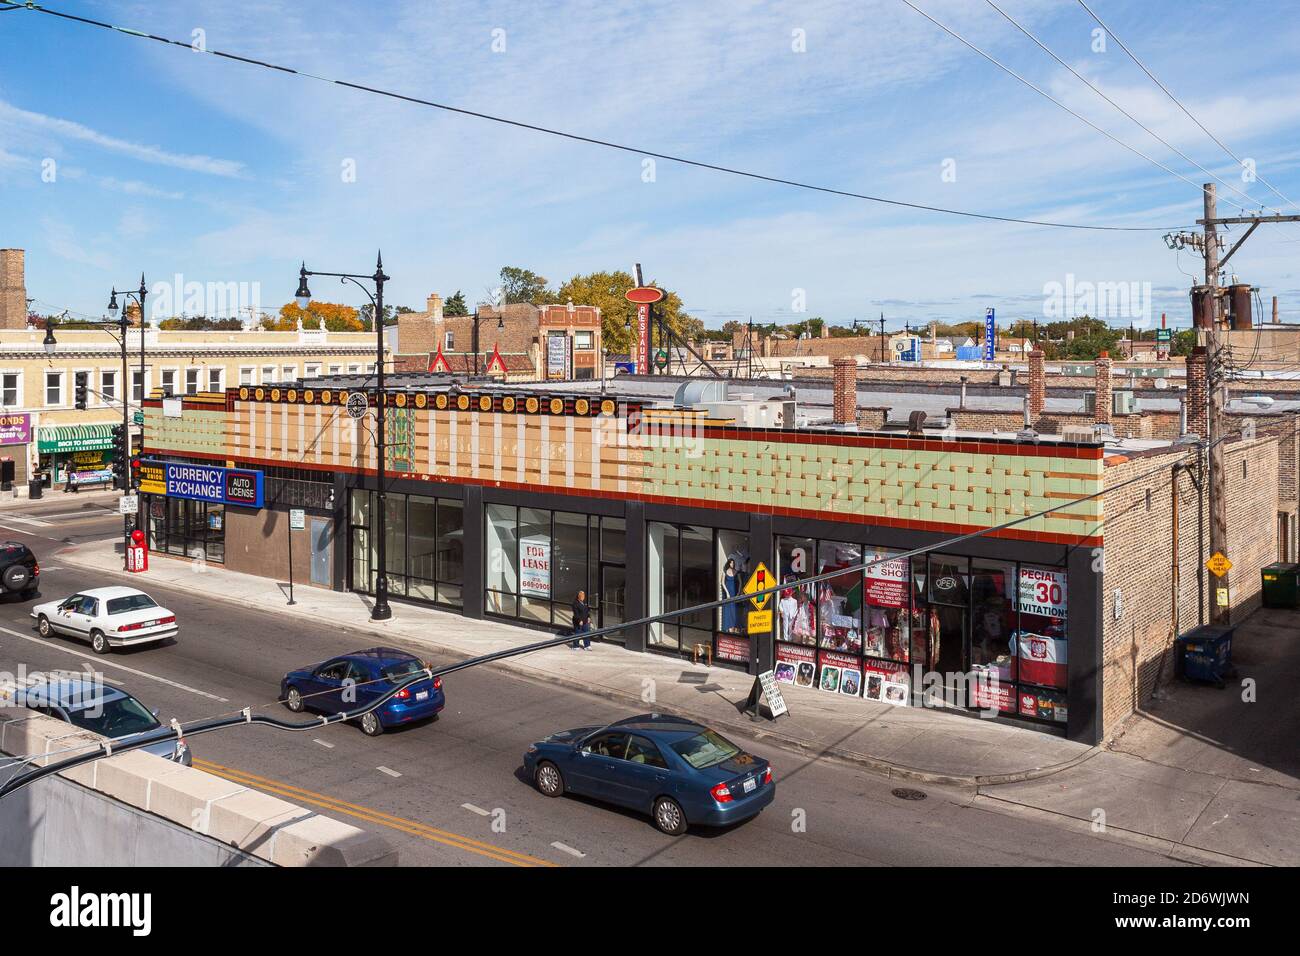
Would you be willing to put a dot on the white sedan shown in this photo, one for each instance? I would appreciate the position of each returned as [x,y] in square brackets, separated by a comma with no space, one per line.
[107,617]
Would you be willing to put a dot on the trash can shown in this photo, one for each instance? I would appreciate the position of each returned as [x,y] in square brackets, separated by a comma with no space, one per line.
[1205,654]
[1281,584]
[34,488]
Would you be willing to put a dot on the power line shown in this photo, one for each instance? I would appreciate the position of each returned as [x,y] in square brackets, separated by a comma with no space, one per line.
[1096,90]
[1132,56]
[1041,92]
[591,140]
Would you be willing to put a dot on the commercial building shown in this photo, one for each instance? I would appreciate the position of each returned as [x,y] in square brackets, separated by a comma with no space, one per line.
[505,500]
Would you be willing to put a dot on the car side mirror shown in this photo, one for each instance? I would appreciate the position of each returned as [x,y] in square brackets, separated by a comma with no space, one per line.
[154,712]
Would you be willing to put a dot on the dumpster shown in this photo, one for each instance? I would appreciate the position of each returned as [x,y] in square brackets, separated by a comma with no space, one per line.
[1281,584]
[34,488]
[1205,654]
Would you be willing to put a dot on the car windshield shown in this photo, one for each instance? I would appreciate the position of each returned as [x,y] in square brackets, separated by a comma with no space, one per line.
[402,670]
[115,718]
[132,602]
[705,749]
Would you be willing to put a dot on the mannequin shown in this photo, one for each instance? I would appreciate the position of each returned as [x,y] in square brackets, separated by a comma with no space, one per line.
[730,588]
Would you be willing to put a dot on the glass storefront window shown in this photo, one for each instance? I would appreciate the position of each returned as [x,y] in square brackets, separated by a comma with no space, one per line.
[502,559]
[190,529]
[888,624]
[796,611]
[839,600]
[424,541]
[1039,643]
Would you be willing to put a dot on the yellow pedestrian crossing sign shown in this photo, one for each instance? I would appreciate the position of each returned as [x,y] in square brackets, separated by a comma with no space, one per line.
[1219,564]
[760,580]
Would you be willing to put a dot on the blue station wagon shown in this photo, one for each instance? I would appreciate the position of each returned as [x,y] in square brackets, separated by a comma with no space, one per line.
[353,680]
[677,771]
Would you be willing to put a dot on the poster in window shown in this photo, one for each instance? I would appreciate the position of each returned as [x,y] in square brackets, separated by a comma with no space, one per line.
[732,648]
[851,682]
[1042,658]
[830,679]
[801,661]
[1043,704]
[887,584]
[535,566]
[886,681]
[990,692]
[1042,592]
[834,667]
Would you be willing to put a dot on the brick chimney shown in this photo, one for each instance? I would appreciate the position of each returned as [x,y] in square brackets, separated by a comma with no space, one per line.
[846,391]
[1101,381]
[1037,385]
[13,290]
[1198,391]
[433,305]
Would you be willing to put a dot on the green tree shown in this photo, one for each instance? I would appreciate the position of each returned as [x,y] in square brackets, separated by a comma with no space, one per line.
[455,305]
[605,291]
[524,285]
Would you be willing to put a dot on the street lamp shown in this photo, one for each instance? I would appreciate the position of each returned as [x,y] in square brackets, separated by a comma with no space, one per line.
[501,324]
[139,295]
[381,611]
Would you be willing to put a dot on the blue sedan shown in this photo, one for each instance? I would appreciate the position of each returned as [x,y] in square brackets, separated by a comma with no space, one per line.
[677,771]
[353,680]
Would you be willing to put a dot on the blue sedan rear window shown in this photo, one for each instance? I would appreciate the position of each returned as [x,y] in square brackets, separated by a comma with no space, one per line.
[403,670]
[705,749]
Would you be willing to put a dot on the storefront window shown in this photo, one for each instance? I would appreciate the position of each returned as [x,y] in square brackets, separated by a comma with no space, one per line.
[732,556]
[424,544]
[796,611]
[502,559]
[888,623]
[839,600]
[190,529]
[538,561]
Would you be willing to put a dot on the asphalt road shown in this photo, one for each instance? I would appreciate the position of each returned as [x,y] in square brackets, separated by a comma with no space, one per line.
[452,792]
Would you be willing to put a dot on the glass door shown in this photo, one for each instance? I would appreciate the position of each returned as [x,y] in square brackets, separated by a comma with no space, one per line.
[613,599]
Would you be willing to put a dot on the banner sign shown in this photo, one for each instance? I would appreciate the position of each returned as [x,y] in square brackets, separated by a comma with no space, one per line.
[1042,592]
[230,486]
[795,665]
[887,583]
[535,566]
[557,355]
[642,297]
[15,429]
[990,335]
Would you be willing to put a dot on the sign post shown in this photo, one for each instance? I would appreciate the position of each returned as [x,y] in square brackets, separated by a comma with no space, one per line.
[297,522]
[643,297]
[990,335]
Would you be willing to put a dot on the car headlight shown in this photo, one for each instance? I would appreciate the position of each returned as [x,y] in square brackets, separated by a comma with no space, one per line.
[532,748]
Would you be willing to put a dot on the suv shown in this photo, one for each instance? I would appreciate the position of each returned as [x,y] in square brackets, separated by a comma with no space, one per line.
[18,569]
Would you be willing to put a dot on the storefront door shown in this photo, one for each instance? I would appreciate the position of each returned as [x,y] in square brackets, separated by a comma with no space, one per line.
[613,599]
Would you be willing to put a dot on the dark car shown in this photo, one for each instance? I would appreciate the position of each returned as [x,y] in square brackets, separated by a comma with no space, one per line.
[353,680]
[677,771]
[19,571]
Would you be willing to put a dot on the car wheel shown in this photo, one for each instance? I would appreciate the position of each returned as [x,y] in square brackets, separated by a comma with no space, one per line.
[549,780]
[98,642]
[43,627]
[293,700]
[371,725]
[669,817]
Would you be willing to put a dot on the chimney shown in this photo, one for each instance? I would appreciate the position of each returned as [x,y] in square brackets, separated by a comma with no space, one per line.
[961,402]
[1037,385]
[1101,380]
[13,290]
[845,403]
[1275,310]
[1198,391]
[433,305]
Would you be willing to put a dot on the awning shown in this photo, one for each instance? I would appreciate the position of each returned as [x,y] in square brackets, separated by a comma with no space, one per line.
[59,438]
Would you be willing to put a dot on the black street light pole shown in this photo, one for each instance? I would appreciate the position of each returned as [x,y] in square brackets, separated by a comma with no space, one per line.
[139,295]
[381,611]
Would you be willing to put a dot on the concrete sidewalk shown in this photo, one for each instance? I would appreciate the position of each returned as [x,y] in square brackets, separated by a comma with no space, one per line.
[906,742]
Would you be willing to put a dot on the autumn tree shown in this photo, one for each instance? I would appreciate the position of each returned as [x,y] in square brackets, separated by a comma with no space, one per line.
[524,285]
[333,316]
[605,291]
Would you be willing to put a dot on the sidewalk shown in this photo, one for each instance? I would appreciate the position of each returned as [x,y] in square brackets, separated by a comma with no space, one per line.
[905,742]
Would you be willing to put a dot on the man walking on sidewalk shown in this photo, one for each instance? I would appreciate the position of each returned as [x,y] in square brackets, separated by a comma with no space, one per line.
[581,620]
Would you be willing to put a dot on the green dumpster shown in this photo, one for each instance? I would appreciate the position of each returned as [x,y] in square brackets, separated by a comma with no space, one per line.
[1281,584]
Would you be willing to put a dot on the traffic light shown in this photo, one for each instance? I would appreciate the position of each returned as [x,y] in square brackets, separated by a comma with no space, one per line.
[82,380]
[121,452]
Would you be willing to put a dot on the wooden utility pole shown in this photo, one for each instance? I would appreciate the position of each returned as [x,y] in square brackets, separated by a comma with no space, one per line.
[1220,612]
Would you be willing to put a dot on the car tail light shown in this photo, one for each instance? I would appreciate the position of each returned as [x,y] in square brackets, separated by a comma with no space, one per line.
[130,627]
[721,793]
[36,569]
[170,619]
[767,774]
[403,694]
[437,683]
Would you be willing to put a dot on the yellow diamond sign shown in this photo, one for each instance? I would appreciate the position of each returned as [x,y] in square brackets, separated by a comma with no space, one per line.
[1219,564]
[760,580]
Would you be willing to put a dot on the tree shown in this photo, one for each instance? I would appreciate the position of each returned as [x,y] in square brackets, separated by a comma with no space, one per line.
[605,291]
[200,323]
[334,317]
[524,285]
[455,305]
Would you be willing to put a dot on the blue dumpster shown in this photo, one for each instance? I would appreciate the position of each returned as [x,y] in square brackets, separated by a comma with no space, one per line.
[1205,654]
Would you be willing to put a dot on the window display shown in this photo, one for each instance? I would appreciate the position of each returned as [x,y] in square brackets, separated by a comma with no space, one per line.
[889,618]
[839,600]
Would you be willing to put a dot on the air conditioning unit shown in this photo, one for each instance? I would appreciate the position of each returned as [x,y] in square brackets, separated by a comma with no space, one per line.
[1122,403]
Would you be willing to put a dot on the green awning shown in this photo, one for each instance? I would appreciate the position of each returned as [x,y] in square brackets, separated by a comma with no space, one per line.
[60,438]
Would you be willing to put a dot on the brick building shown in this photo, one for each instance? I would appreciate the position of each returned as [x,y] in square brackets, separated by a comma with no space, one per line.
[13,290]
[518,342]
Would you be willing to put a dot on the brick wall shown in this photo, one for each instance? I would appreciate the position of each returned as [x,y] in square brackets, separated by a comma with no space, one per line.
[1138,552]
[1197,394]
[1140,425]
[845,394]
[1037,385]
[13,290]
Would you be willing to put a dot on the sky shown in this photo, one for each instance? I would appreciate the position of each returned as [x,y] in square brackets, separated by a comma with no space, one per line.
[120,155]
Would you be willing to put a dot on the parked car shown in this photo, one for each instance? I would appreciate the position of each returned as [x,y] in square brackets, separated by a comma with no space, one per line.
[107,617]
[19,571]
[106,710]
[677,771]
[353,680]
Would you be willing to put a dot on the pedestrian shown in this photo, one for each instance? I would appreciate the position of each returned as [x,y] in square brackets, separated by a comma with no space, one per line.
[70,483]
[581,621]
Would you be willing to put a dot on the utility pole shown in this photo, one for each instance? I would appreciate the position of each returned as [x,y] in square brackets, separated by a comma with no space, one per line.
[1219,610]
[882,338]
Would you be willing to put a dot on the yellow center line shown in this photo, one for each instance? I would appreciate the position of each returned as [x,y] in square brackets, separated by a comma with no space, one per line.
[371,815]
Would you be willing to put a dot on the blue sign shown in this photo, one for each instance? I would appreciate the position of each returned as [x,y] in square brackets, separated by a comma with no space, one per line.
[990,335]
[229,486]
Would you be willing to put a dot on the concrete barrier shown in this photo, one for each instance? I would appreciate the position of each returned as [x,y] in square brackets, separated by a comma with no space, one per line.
[136,809]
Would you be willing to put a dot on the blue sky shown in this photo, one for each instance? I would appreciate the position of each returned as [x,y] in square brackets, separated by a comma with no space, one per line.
[171,162]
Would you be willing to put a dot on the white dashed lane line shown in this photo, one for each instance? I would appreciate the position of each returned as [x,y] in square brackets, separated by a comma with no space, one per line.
[391,773]
[568,849]
[473,809]
[103,662]
[324,743]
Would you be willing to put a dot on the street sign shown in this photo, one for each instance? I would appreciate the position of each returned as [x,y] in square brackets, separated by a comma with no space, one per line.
[138,417]
[759,622]
[128,504]
[358,405]
[760,580]
[1221,597]
[1219,564]
[1164,335]
[661,359]
[297,519]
